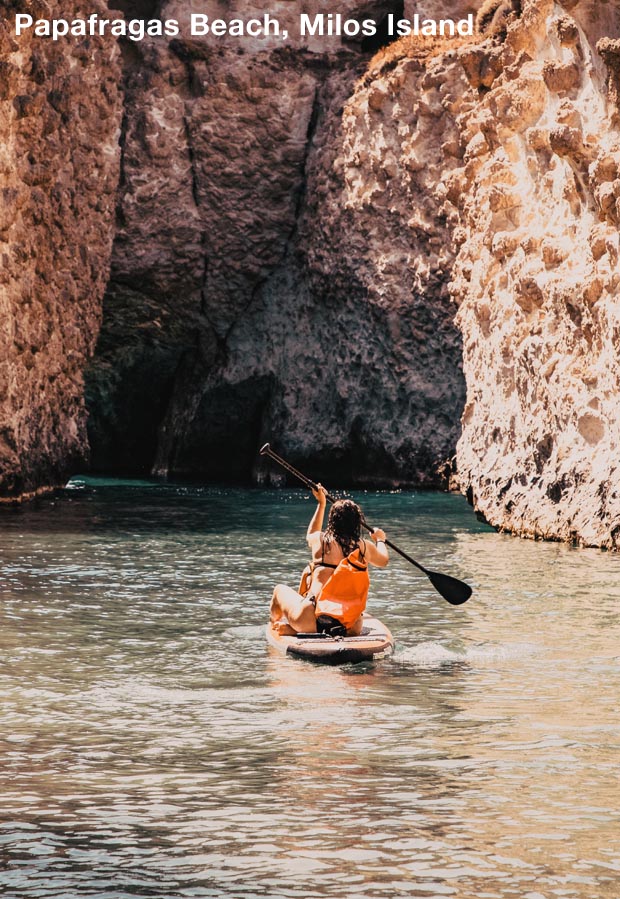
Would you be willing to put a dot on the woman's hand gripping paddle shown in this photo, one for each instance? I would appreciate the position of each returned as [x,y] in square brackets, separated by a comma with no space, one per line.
[453,591]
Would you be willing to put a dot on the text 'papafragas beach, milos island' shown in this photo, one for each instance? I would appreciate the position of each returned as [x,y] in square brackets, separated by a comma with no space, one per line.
[266,25]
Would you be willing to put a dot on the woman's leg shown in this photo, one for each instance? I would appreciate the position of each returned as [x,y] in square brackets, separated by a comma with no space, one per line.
[299,610]
[356,628]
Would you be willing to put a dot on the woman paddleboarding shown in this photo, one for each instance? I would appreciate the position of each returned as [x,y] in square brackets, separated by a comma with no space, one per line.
[334,586]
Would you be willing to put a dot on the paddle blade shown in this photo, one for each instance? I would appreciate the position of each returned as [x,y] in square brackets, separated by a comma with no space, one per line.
[452,590]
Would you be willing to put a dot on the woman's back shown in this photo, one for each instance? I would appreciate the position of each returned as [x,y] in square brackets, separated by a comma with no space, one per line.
[326,557]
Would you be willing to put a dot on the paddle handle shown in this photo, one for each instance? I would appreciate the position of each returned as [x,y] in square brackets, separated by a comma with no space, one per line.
[267,451]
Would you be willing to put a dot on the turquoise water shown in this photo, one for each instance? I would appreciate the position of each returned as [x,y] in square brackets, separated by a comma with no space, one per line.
[152,746]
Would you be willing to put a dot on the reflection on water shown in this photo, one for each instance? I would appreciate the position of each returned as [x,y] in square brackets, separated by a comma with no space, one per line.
[153,746]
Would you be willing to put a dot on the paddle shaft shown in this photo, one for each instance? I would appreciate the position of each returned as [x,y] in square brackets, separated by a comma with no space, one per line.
[267,451]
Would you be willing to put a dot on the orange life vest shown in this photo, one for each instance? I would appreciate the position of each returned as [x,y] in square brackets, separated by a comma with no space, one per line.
[345,593]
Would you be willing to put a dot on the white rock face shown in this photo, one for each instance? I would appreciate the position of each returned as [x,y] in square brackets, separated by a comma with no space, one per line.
[505,153]
[537,281]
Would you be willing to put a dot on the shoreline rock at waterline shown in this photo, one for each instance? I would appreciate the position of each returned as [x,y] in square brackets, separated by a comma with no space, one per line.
[60,112]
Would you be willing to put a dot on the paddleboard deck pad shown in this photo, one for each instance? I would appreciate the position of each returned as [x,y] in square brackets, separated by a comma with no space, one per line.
[375,641]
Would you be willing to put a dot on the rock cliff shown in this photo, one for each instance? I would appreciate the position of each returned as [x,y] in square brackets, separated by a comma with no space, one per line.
[249,298]
[59,118]
[537,275]
[296,226]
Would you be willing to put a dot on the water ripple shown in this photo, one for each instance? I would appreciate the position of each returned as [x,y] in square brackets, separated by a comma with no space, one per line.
[152,747]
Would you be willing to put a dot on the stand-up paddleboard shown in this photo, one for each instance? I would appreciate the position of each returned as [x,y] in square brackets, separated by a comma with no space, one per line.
[374,642]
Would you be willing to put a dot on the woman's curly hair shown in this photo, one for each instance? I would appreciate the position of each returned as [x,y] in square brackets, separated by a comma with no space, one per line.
[344,525]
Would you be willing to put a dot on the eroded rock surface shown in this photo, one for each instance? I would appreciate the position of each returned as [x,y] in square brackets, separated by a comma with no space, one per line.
[504,151]
[252,295]
[537,279]
[59,119]
[293,229]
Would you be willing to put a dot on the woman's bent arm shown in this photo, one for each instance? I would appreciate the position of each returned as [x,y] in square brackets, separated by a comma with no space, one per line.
[377,552]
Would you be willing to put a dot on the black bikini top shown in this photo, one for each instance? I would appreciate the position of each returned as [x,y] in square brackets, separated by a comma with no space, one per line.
[323,563]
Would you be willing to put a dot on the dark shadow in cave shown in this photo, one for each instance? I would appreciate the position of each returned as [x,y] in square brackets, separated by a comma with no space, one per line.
[382,38]
[137,9]
[225,432]
[123,435]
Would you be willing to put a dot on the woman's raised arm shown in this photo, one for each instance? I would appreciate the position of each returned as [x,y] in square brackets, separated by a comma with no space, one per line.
[316,522]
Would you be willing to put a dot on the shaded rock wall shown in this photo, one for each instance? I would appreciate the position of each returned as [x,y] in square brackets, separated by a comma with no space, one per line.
[250,297]
[59,120]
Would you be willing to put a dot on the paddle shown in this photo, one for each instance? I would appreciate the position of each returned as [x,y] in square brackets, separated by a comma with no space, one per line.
[452,590]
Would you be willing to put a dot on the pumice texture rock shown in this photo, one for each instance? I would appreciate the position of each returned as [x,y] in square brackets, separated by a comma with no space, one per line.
[505,150]
[59,119]
[537,278]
